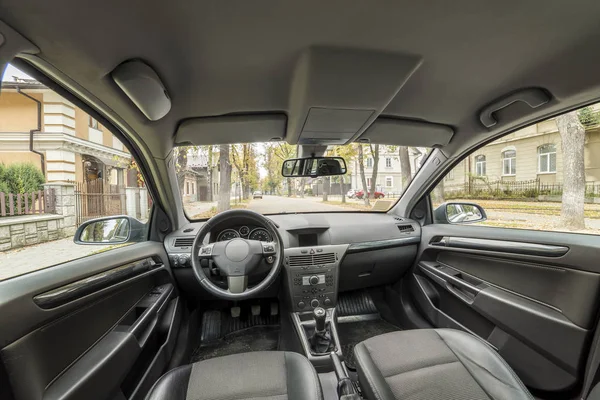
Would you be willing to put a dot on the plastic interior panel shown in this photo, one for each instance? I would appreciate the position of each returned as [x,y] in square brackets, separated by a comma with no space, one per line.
[402,132]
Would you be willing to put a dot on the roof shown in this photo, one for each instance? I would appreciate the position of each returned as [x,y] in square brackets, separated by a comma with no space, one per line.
[221,58]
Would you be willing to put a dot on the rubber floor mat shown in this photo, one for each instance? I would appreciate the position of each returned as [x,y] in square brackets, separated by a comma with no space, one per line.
[352,333]
[258,338]
[358,302]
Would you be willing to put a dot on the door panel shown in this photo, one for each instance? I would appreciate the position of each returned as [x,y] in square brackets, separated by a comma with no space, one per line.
[78,330]
[536,303]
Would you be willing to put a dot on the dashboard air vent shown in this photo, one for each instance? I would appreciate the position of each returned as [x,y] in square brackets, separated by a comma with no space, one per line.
[406,228]
[312,259]
[184,242]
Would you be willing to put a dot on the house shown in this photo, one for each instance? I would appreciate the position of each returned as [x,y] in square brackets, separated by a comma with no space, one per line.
[529,154]
[72,145]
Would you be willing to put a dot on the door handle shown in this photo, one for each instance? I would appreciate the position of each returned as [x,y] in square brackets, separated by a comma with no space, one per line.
[446,277]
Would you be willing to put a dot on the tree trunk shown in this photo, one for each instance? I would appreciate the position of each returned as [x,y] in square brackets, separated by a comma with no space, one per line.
[326,187]
[361,168]
[302,184]
[342,188]
[437,195]
[181,167]
[289,187]
[209,161]
[404,166]
[572,135]
[224,179]
[375,154]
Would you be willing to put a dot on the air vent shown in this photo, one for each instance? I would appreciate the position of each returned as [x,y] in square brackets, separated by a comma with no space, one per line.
[313,259]
[406,228]
[184,242]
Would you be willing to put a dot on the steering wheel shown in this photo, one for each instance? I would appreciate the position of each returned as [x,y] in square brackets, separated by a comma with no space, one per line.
[237,258]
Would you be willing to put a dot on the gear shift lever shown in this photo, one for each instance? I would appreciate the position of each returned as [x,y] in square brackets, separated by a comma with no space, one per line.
[319,315]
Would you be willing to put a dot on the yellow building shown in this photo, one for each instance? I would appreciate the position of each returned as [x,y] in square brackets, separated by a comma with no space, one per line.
[72,145]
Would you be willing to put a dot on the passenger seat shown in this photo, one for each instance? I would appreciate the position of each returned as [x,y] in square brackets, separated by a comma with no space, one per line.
[432,364]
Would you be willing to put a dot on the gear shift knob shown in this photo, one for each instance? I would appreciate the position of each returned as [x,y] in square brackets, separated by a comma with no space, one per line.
[319,315]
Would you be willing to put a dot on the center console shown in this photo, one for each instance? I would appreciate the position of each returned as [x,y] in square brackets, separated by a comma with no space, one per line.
[312,275]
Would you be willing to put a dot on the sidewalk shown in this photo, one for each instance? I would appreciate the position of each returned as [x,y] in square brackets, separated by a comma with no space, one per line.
[31,258]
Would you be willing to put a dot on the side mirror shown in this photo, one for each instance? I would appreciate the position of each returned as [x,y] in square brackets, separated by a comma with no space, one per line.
[110,230]
[313,167]
[459,213]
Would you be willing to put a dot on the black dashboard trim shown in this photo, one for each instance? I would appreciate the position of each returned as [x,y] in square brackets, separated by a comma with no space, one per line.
[382,244]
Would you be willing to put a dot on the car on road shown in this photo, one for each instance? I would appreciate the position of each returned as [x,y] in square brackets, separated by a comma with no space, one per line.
[257,195]
[351,193]
[377,195]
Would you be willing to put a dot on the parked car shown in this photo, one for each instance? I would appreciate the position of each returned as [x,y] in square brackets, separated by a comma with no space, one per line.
[378,195]
[351,193]
[257,195]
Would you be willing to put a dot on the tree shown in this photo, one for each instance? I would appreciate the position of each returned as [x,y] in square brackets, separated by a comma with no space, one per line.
[224,179]
[272,164]
[284,151]
[209,165]
[348,153]
[404,166]
[361,168]
[375,154]
[572,136]
[326,187]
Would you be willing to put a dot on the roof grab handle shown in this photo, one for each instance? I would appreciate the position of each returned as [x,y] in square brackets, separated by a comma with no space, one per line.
[533,97]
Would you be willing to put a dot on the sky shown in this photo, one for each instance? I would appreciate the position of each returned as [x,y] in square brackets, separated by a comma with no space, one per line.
[12,71]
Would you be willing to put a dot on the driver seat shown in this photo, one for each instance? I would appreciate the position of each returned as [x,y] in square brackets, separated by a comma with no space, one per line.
[273,375]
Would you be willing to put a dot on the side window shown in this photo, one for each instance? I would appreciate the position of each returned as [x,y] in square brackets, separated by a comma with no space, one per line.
[543,177]
[78,171]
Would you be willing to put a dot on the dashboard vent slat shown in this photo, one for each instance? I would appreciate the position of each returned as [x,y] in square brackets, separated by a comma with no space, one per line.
[184,242]
[312,259]
[406,228]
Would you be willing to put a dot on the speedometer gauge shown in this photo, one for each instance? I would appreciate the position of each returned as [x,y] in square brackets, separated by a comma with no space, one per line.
[260,234]
[227,234]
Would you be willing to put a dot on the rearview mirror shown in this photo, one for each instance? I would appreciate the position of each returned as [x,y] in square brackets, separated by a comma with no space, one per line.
[313,167]
[459,213]
[110,230]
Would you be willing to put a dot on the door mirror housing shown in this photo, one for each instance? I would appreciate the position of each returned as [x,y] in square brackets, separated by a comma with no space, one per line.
[110,230]
[313,167]
[459,213]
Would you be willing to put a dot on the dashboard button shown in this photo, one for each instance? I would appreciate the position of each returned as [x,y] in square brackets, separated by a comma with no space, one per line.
[301,304]
[314,303]
[327,301]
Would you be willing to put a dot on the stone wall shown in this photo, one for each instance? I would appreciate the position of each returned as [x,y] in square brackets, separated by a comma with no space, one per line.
[25,230]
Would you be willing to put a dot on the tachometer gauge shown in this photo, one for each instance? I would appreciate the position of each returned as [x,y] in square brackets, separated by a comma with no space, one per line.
[227,234]
[260,234]
[244,230]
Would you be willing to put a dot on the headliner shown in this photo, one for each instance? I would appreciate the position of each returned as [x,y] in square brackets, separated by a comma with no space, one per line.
[226,57]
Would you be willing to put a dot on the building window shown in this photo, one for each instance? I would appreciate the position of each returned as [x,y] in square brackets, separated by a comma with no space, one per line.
[547,158]
[388,162]
[509,162]
[389,181]
[480,166]
[187,188]
[450,175]
[93,123]
[369,162]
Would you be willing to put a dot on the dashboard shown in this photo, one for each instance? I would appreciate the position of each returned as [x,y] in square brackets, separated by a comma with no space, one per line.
[369,249]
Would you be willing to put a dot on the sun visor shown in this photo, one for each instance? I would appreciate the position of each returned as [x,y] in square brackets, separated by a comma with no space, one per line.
[336,93]
[231,129]
[11,44]
[403,132]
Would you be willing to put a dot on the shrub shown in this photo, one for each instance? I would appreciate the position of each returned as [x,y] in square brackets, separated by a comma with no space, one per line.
[20,178]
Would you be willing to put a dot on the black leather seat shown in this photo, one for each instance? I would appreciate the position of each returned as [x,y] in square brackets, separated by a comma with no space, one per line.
[269,375]
[432,364]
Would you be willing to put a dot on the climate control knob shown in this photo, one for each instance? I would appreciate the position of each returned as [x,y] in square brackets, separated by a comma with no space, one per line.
[313,280]
[314,303]
[183,259]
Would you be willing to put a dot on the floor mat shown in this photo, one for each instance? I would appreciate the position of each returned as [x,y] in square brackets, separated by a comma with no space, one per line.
[357,302]
[222,335]
[352,333]
[258,338]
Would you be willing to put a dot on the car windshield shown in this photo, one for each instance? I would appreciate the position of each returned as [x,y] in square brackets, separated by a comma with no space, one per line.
[214,178]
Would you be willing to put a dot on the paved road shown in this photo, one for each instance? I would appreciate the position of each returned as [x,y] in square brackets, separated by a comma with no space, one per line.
[278,204]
